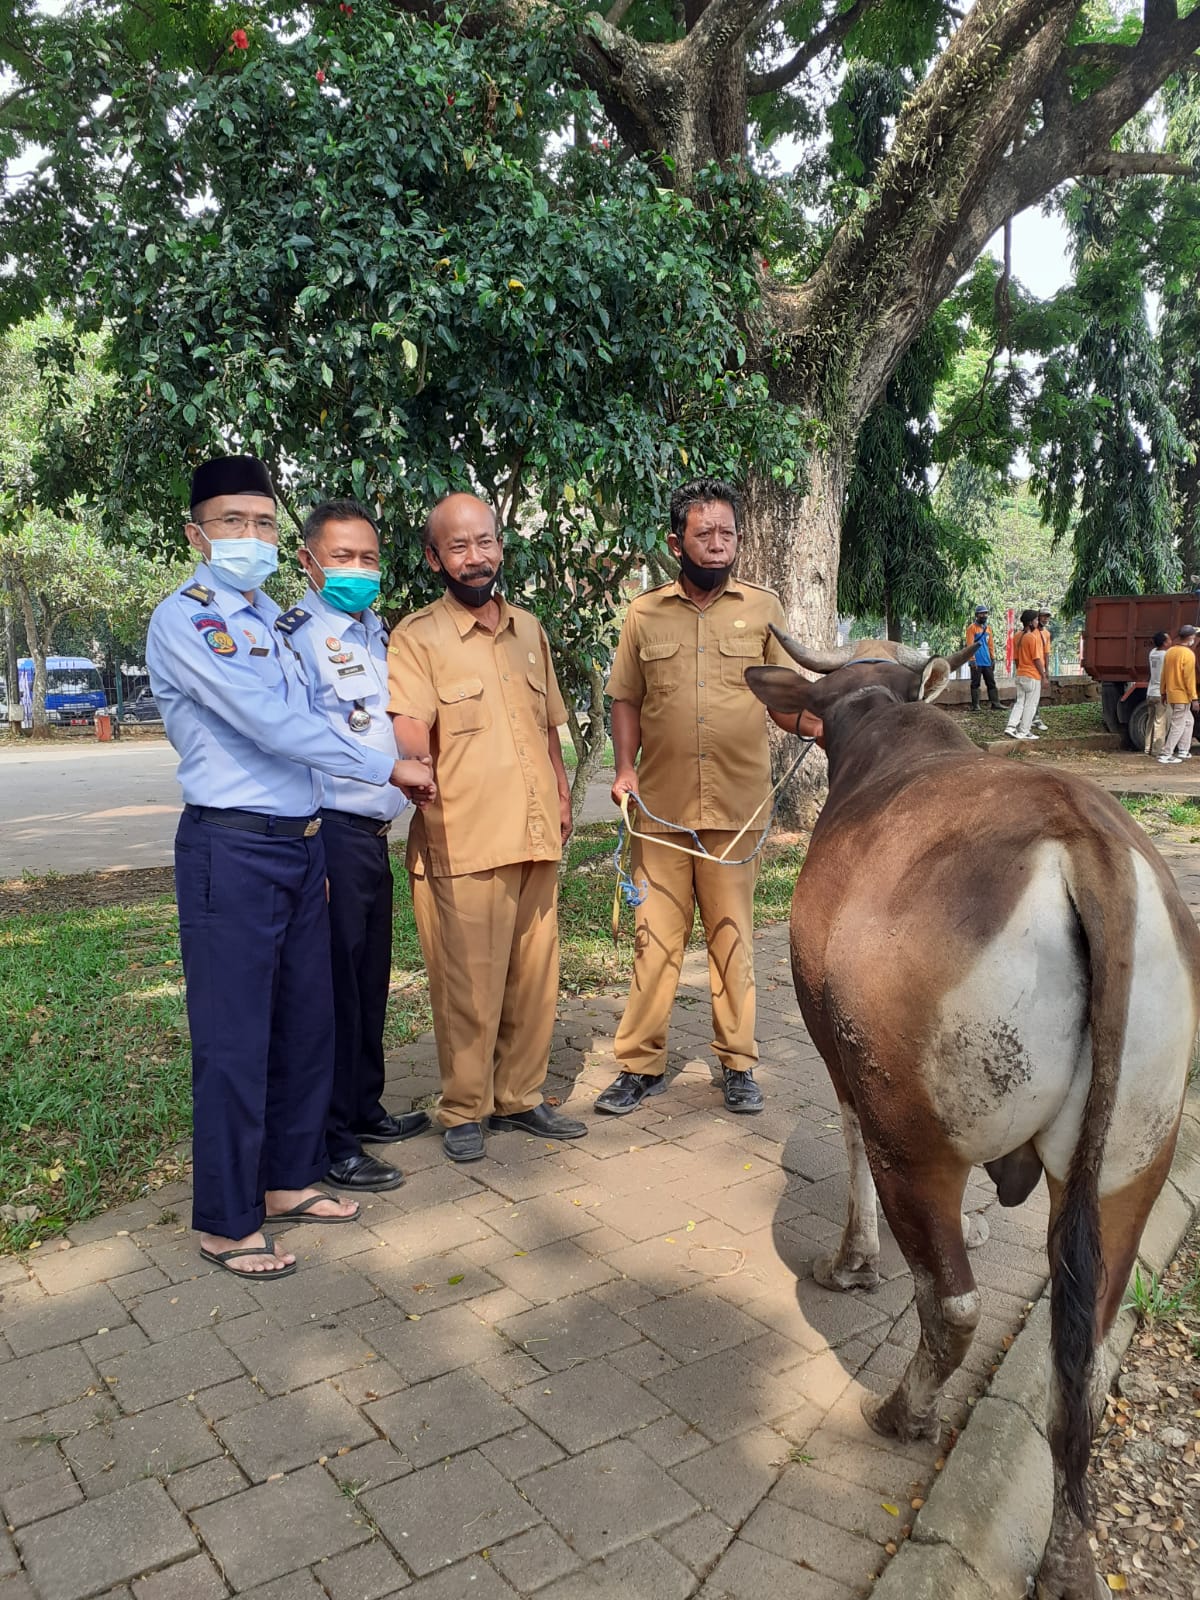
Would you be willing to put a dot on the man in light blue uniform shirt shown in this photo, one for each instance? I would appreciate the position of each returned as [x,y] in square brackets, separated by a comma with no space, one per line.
[250,874]
[342,648]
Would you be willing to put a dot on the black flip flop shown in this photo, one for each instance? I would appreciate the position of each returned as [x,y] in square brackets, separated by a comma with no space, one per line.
[301,1213]
[222,1258]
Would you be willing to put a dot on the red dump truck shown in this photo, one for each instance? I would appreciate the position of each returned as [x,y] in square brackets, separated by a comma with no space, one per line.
[1117,634]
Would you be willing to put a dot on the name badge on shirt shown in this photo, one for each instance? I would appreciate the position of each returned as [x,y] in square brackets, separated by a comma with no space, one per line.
[349,672]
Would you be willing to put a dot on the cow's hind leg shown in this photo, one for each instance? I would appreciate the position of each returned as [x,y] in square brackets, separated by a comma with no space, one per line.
[924,1210]
[856,1264]
[1067,1570]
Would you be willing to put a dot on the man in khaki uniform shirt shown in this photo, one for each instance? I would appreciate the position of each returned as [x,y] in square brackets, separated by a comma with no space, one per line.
[679,692]
[471,684]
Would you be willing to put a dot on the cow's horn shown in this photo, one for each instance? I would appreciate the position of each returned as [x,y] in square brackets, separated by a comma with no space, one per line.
[907,656]
[814,660]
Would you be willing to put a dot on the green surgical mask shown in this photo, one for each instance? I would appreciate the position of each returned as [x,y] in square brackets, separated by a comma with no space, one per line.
[349,589]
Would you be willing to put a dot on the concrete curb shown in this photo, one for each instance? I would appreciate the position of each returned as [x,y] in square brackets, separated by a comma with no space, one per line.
[982,1529]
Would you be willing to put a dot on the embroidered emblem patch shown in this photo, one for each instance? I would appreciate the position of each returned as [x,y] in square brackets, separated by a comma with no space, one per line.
[220,643]
[339,657]
[204,620]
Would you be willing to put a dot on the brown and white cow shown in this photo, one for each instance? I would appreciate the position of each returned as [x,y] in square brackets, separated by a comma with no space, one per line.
[997,968]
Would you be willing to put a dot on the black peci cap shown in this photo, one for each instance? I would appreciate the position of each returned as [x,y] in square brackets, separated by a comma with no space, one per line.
[230,475]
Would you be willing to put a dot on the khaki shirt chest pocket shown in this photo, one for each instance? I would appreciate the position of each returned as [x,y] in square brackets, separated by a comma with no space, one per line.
[537,699]
[662,665]
[461,707]
[738,651]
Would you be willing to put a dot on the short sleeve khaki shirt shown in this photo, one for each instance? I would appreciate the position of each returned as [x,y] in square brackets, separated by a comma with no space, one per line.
[705,759]
[488,700]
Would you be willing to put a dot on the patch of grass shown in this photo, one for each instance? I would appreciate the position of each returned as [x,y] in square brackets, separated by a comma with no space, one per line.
[93,1032]
[1148,1298]
[571,760]
[1158,812]
[1062,722]
[96,1086]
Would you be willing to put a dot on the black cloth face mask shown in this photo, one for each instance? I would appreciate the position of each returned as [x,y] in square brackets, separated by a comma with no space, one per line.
[702,577]
[472,594]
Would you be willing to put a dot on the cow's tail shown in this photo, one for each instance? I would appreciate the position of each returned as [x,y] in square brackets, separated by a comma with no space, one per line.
[1076,1258]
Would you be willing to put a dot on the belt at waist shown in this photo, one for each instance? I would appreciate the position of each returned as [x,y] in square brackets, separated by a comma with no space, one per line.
[256,822]
[351,819]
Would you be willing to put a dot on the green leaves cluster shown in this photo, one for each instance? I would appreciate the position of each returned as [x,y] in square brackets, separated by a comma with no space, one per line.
[369,253]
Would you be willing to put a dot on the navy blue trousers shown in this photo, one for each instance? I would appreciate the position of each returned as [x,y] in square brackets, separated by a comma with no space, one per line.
[254,933]
[360,928]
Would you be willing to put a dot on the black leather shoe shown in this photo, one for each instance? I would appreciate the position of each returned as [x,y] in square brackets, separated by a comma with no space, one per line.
[627,1092]
[364,1172]
[390,1129]
[541,1120]
[464,1142]
[741,1091]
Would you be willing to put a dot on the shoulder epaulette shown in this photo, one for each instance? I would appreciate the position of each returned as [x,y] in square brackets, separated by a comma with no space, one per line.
[406,622]
[289,621]
[197,591]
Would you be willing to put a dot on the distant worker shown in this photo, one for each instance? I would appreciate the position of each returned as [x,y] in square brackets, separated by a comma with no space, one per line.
[983,662]
[1179,691]
[1156,722]
[1031,674]
[1043,622]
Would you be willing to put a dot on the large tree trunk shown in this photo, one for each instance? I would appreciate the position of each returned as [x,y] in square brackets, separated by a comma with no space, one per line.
[12,685]
[791,545]
[37,649]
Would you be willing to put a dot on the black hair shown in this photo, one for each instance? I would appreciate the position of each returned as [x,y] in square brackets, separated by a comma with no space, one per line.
[1028,618]
[703,492]
[335,511]
[1160,638]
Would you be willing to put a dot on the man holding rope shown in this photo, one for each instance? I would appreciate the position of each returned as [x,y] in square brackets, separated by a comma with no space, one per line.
[679,695]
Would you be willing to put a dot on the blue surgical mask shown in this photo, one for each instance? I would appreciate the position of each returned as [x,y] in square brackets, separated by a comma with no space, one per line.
[244,563]
[349,589]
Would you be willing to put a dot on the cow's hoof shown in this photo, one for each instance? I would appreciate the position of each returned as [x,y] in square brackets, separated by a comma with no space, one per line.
[895,1422]
[975,1229]
[827,1271]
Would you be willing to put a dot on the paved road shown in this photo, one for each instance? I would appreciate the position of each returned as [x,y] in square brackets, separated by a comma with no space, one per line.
[102,807]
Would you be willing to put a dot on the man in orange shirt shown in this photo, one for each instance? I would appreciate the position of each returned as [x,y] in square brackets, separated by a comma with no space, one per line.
[1178,685]
[1043,625]
[1031,674]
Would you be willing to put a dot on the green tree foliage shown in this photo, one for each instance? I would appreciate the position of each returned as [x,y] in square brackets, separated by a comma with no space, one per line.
[904,554]
[367,252]
[1178,251]
[1104,442]
[57,570]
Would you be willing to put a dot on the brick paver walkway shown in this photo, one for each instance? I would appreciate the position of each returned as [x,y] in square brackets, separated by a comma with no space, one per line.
[594,1371]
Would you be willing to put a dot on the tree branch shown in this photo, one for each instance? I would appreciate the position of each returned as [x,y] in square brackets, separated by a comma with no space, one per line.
[1138,164]
[616,12]
[722,24]
[833,32]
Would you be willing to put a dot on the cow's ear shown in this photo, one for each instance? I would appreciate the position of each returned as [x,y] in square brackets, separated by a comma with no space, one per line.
[934,677]
[779,688]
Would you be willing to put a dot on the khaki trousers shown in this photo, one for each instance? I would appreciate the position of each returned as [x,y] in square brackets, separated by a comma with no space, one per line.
[1156,726]
[1179,731]
[490,942]
[679,883]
